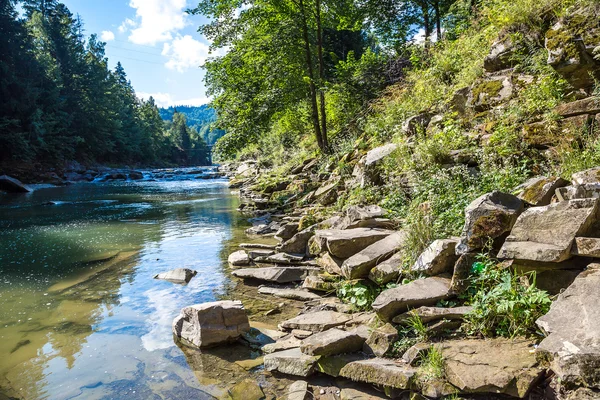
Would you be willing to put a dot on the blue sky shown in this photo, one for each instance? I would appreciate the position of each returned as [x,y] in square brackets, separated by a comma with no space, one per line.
[157,43]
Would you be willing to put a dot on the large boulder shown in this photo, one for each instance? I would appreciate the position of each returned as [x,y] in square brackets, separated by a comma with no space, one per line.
[345,243]
[539,191]
[316,321]
[490,92]
[573,342]
[210,324]
[438,258]
[416,124]
[491,366]
[368,170]
[588,176]
[589,105]
[501,55]
[388,270]
[488,217]
[361,263]
[275,274]
[331,342]
[584,191]
[381,340]
[328,193]
[178,275]
[12,185]
[238,258]
[298,243]
[571,44]
[547,233]
[421,292]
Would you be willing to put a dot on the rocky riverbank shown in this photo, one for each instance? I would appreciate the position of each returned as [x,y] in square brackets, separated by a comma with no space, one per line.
[412,338]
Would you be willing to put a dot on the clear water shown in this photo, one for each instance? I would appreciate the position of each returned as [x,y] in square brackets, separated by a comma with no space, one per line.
[80,313]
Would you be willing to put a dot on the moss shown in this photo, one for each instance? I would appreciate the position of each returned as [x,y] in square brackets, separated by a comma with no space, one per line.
[488,226]
[488,89]
[533,193]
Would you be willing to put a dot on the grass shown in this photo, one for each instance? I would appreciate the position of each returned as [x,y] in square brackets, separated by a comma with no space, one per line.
[431,365]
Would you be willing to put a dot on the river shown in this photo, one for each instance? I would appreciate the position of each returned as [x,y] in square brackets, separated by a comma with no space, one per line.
[81,316]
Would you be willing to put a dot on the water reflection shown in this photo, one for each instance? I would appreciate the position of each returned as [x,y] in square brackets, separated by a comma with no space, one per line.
[80,313]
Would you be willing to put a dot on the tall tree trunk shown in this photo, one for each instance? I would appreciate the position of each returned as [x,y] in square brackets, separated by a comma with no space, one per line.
[438,19]
[321,75]
[426,22]
[309,66]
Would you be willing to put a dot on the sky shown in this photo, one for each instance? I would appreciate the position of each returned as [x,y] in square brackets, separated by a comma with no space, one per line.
[157,43]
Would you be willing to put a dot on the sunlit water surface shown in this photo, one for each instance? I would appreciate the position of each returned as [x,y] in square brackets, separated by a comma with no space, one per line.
[80,313]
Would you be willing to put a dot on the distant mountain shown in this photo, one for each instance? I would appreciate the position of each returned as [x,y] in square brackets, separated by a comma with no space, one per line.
[198,118]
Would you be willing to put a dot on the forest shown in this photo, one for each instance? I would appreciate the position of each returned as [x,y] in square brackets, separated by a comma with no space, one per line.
[199,118]
[59,100]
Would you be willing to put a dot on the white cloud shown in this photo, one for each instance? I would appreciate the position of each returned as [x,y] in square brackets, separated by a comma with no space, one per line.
[126,25]
[419,37]
[166,100]
[185,52]
[107,36]
[157,20]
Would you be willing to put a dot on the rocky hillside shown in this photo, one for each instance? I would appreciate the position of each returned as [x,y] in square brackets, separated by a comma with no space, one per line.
[450,253]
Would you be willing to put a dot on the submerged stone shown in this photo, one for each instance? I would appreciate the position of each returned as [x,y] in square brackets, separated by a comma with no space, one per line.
[178,275]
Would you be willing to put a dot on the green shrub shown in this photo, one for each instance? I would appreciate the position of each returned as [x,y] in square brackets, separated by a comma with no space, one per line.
[503,304]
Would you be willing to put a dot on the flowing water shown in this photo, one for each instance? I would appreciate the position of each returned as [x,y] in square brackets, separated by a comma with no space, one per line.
[80,313]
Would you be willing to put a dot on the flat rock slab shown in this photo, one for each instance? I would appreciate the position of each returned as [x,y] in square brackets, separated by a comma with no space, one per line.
[585,191]
[318,284]
[355,394]
[298,391]
[286,343]
[210,324]
[291,362]
[345,243]
[547,233]
[298,243]
[239,258]
[421,292]
[178,275]
[294,294]
[388,270]
[331,342]
[438,258]
[361,263]
[380,371]
[12,185]
[488,217]
[588,247]
[260,246]
[317,321]
[491,366]
[573,327]
[538,191]
[591,175]
[430,314]
[275,274]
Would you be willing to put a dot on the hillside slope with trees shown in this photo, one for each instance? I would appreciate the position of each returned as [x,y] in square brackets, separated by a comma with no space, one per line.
[59,101]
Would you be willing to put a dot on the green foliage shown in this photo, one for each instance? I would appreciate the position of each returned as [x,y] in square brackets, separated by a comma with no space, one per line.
[359,294]
[409,334]
[504,305]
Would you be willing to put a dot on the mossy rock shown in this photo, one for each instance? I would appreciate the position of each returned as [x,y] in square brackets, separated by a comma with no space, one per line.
[570,44]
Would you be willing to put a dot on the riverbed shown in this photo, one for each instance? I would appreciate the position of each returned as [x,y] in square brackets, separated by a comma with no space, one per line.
[81,316]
